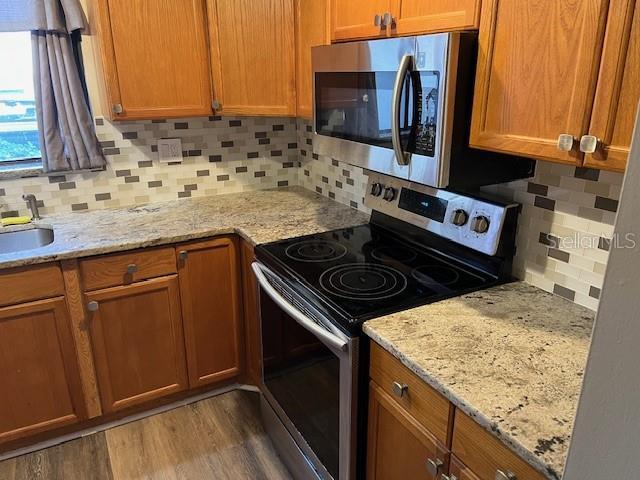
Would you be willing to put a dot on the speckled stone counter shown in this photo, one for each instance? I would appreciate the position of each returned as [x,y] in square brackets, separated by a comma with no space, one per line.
[258,216]
[511,356]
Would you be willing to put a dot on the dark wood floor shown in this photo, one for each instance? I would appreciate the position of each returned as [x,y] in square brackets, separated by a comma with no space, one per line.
[217,438]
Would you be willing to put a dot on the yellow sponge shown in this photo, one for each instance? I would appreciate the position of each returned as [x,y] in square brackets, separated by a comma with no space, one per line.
[15,221]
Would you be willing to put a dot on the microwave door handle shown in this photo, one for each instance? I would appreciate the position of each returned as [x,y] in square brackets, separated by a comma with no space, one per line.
[402,157]
[327,337]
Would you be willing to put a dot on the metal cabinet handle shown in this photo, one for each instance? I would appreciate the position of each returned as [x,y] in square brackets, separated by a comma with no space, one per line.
[377,20]
[565,142]
[215,104]
[399,389]
[132,268]
[589,143]
[500,475]
[117,108]
[434,466]
[93,306]
[387,20]
[182,255]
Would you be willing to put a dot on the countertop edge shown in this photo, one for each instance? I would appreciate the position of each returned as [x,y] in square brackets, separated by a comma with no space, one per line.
[522,451]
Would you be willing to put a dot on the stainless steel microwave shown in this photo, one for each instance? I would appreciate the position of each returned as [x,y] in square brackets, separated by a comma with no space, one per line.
[402,107]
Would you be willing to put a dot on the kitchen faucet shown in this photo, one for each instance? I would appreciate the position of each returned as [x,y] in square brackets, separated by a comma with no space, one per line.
[32,203]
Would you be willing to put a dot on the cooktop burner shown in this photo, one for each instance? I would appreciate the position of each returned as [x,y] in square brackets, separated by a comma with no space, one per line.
[315,251]
[357,281]
[366,271]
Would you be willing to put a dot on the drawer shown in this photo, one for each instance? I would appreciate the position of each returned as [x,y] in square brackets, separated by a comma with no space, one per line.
[484,454]
[25,284]
[126,268]
[425,404]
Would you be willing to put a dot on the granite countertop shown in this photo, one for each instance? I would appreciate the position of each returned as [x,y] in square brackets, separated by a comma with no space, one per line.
[258,216]
[512,357]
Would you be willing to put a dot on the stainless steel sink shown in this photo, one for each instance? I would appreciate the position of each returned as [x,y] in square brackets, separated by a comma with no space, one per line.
[11,242]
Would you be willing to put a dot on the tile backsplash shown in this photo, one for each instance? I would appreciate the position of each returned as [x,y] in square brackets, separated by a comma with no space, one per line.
[564,232]
[221,155]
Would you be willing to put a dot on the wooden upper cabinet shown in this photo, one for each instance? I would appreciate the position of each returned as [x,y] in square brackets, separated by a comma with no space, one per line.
[209,273]
[354,19]
[418,16]
[618,91]
[312,29]
[40,379]
[253,56]
[536,75]
[154,58]
[138,342]
[398,446]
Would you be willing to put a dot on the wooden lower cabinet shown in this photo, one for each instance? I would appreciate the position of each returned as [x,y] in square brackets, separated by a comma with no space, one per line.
[211,309]
[138,342]
[41,387]
[398,446]
[459,471]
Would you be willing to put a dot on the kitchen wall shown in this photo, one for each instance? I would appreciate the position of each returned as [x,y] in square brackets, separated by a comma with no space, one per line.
[221,155]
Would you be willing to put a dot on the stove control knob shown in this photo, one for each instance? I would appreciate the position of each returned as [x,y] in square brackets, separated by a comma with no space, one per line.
[376,189]
[480,224]
[460,218]
[389,194]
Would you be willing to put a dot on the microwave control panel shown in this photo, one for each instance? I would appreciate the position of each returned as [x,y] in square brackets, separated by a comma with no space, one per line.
[426,89]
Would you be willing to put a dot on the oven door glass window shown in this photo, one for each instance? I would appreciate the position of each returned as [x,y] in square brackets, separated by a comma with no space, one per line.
[356,106]
[303,376]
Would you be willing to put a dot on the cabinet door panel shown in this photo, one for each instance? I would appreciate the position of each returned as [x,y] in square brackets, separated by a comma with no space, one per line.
[40,379]
[209,286]
[155,57]
[253,56]
[398,446]
[418,16]
[138,342]
[537,66]
[618,92]
[352,19]
[312,29]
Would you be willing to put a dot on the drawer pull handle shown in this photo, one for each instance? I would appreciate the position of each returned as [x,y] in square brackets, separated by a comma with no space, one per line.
[500,475]
[182,255]
[93,306]
[434,466]
[399,389]
[132,268]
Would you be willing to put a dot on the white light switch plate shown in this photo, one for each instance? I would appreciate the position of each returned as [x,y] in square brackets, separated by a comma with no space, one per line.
[170,150]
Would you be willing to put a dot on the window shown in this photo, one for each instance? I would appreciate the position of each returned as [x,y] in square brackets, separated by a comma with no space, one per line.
[19,140]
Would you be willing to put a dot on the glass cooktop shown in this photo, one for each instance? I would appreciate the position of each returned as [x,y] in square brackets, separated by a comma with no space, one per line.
[365,271]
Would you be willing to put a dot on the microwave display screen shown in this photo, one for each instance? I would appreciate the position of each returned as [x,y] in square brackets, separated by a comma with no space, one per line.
[356,106]
[423,204]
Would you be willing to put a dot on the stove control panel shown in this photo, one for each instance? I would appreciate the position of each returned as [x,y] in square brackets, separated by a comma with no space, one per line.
[469,221]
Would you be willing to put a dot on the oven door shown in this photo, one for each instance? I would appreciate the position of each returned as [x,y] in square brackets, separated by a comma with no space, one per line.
[380,105]
[309,378]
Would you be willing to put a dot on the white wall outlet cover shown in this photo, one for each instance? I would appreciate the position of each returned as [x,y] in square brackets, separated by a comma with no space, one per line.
[170,150]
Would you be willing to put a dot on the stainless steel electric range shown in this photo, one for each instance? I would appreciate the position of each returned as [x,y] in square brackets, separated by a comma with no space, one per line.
[420,246]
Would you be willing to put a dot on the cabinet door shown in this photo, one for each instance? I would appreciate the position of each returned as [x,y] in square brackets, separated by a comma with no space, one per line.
[253,56]
[209,290]
[459,470]
[250,314]
[138,342]
[417,16]
[537,64]
[155,58]
[312,29]
[40,380]
[398,446]
[618,91]
[353,19]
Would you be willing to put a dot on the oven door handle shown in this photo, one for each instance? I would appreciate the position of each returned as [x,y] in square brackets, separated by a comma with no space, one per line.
[329,338]
[402,157]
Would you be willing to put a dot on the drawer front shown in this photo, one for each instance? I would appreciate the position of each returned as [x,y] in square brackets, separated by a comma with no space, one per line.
[125,268]
[425,404]
[19,285]
[484,454]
